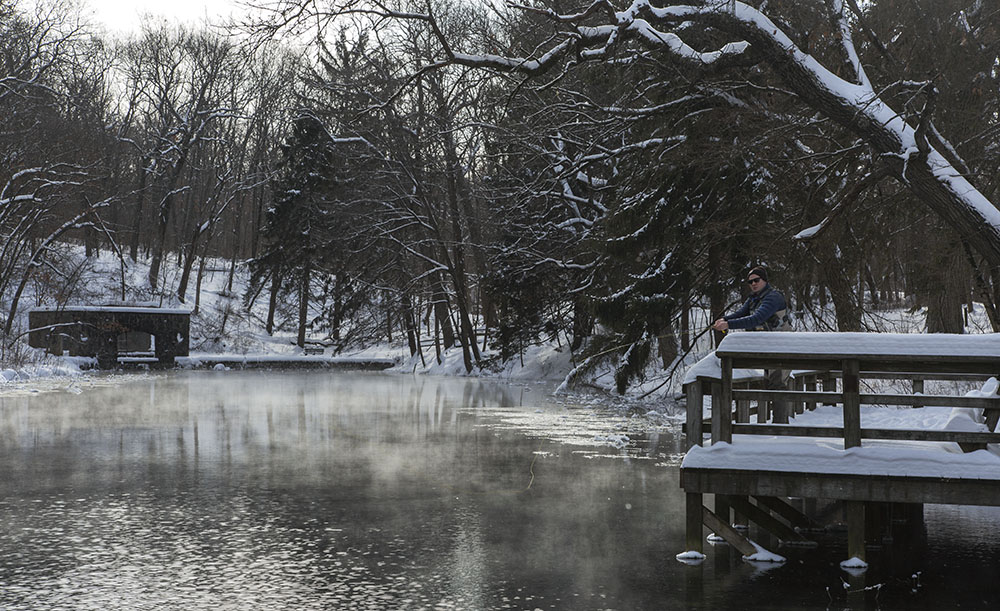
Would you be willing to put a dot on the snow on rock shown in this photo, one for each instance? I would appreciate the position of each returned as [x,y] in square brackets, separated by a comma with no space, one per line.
[854,563]
[690,557]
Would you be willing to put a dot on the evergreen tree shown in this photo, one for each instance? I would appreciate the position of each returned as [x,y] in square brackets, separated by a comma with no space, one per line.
[295,222]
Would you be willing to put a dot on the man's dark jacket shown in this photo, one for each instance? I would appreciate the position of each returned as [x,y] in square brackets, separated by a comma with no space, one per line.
[764,310]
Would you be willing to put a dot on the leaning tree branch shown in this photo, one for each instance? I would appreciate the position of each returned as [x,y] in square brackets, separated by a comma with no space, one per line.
[869,180]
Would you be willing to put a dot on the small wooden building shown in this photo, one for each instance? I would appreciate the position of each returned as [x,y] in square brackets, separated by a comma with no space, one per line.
[106,332]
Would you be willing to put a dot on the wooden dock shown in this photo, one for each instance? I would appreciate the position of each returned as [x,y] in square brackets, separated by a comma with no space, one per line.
[277,361]
[752,474]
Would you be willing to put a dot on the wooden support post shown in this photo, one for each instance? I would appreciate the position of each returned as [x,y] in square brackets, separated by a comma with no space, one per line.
[811,386]
[724,530]
[722,509]
[795,517]
[726,413]
[716,412]
[800,384]
[855,529]
[852,404]
[918,387]
[765,520]
[693,521]
[739,518]
[695,415]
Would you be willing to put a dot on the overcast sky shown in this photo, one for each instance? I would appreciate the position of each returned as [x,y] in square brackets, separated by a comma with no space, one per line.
[123,15]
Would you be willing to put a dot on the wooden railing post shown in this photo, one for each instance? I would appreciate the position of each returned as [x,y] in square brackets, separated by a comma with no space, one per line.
[829,383]
[852,404]
[742,410]
[811,386]
[800,384]
[781,409]
[726,408]
[695,409]
[918,387]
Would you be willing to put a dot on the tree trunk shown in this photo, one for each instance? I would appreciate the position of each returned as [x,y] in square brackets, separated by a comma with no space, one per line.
[304,303]
[140,200]
[942,286]
[666,346]
[408,322]
[337,313]
[583,322]
[189,259]
[272,302]
[686,324]
[837,275]
[197,290]
[716,290]
[441,313]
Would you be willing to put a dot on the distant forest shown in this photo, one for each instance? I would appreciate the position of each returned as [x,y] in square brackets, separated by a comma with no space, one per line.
[487,176]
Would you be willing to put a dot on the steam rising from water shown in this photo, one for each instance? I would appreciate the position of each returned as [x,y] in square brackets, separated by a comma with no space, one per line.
[296,491]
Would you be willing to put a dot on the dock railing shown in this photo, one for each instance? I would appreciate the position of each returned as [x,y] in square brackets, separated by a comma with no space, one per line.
[822,362]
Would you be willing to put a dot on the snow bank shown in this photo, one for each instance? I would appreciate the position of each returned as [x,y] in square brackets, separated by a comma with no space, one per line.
[540,363]
[56,367]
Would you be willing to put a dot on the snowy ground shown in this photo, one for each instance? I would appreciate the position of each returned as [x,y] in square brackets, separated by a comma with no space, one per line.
[224,329]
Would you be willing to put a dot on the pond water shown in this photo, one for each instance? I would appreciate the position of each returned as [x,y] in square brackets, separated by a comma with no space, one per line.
[308,490]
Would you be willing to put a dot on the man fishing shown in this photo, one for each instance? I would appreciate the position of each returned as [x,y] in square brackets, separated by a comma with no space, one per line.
[764,310]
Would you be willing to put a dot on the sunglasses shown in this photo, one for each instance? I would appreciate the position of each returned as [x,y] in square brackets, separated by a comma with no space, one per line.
[753,280]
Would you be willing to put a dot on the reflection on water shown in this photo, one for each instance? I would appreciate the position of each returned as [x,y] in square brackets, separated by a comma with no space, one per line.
[285,490]
[305,490]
